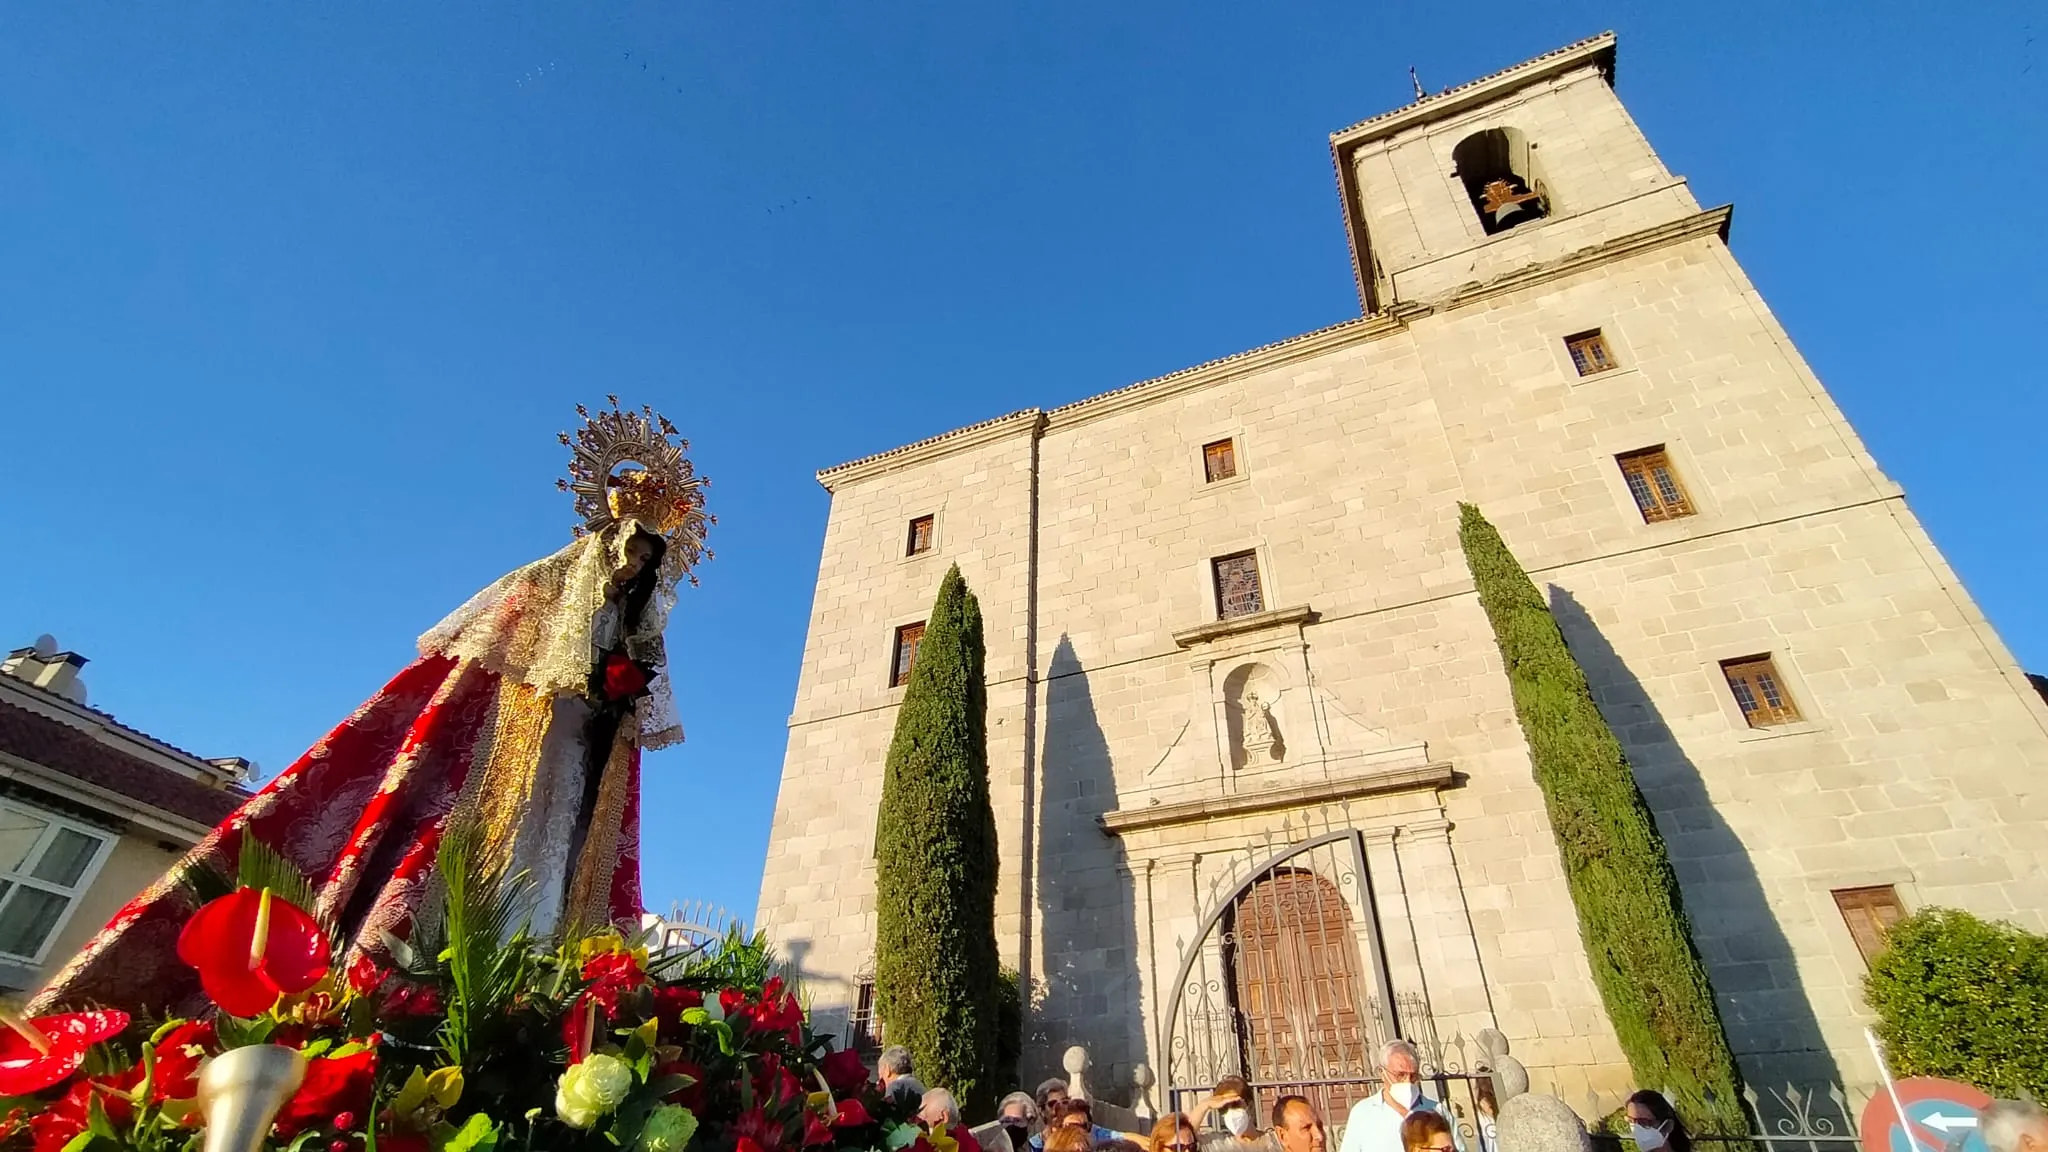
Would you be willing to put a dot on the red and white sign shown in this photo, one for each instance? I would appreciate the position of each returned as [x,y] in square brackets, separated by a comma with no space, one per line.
[1940,1116]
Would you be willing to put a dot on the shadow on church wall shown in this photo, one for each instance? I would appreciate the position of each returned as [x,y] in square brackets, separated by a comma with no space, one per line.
[1089,986]
[1764,1007]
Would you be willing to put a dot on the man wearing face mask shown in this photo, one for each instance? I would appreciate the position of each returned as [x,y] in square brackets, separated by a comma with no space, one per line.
[1375,1122]
[1231,1101]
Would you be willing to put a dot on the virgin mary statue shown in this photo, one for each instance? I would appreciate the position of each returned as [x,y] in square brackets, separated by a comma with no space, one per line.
[526,713]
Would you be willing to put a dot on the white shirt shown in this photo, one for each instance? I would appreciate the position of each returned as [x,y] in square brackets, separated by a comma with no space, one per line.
[1375,1123]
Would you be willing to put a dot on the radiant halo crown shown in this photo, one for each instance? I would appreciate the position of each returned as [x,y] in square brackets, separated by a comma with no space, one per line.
[625,464]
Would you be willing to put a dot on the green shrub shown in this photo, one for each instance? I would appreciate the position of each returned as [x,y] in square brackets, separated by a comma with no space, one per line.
[1963,998]
[1009,1030]
[1631,919]
[936,968]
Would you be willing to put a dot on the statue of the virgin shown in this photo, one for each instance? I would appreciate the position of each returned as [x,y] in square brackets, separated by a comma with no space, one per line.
[526,713]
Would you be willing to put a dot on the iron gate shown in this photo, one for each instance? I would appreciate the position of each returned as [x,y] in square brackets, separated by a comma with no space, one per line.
[1285,984]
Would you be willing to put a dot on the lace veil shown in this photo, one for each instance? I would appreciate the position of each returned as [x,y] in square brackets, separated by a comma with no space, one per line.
[533,625]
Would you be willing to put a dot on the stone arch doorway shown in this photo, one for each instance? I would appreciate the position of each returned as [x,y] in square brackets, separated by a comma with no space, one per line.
[1294,982]
[1285,983]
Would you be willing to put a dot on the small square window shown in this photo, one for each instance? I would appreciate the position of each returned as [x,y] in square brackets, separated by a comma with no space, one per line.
[905,656]
[1870,914]
[920,536]
[1760,691]
[1219,460]
[1654,484]
[1237,585]
[1590,354]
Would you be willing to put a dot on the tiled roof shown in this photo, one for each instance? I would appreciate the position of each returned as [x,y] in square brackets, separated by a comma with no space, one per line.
[916,444]
[61,748]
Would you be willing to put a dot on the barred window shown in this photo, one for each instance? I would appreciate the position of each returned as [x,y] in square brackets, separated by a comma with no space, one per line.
[1219,460]
[1870,914]
[46,864]
[920,536]
[1590,354]
[1654,484]
[1760,691]
[906,653]
[862,1033]
[1237,585]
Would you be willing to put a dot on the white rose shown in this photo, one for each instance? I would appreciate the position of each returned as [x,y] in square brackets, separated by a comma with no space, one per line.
[592,1089]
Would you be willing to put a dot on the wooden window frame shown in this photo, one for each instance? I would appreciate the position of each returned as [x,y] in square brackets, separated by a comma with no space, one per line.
[1760,691]
[16,881]
[1216,567]
[1590,352]
[1654,485]
[1225,450]
[930,524]
[1869,913]
[902,658]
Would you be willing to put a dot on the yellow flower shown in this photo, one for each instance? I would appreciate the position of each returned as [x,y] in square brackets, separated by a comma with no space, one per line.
[605,943]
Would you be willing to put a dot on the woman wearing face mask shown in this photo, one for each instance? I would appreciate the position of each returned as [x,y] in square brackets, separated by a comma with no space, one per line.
[1016,1116]
[1231,1101]
[1654,1124]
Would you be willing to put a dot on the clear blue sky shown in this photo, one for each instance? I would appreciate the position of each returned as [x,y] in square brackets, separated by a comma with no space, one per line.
[293,298]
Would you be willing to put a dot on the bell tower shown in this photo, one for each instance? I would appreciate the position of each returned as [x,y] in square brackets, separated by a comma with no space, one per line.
[1503,174]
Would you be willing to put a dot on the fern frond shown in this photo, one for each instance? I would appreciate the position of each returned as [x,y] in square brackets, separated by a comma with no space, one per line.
[488,949]
[262,866]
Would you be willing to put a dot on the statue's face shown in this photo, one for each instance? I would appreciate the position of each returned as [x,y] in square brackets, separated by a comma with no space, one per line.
[639,551]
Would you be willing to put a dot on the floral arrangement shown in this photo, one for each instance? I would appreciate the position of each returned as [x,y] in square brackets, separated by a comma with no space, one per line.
[477,1039]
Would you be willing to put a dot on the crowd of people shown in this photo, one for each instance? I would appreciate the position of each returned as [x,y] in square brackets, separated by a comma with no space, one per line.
[1397,1118]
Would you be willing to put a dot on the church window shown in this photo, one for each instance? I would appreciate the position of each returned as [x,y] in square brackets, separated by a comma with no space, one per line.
[1219,460]
[1590,354]
[906,653]
[1654,484]
[1498,168]
[1760,691]
[1870,914]
[921,535]
[46,864]
[861,1032]
[1237,585]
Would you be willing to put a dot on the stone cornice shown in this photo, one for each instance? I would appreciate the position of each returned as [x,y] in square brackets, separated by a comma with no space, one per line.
[1395,318]
[1431,776]
[1593,51]
[1257,621]
[931,448]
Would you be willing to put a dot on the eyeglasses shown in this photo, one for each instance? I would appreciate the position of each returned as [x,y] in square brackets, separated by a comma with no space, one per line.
[1182,1146]
[1446,1146]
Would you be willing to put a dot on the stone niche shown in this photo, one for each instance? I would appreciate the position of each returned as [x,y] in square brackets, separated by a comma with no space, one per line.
[1254,700]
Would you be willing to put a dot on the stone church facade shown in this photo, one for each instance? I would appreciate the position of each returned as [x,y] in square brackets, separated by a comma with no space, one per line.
[1263,795]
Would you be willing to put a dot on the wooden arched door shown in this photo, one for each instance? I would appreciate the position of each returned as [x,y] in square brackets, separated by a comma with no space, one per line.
[1301,1006]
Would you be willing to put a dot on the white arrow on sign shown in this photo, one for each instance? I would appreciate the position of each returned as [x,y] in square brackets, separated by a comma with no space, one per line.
[1947,1123]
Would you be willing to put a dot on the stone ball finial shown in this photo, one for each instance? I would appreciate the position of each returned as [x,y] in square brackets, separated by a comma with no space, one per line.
[1510,1079]
[1536,1123]
[1142,1080]
[1075,1060]
[1493,1042]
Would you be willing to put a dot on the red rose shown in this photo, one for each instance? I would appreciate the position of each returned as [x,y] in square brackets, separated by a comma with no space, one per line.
[753,1127]
[744,1145]
[623,679]
[670,1002]
[816,1131]
[60,1123]
[843,1070]
[365,976]
[178,1056]
[730,1001]
[333,1084]
[852,1114]
[412,1000]
[612,974]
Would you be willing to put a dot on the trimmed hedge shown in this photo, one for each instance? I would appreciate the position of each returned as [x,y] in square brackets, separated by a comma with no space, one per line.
[1964,998]
[1631,918]
[936,970]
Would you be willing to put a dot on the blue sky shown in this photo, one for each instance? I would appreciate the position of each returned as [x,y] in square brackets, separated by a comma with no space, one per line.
[293,298]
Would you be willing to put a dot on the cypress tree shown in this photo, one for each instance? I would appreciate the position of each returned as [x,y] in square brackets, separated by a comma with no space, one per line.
[1631,918]
[936,970]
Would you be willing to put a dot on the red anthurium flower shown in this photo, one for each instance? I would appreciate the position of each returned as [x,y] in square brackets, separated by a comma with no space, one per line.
[333,1084]
[744,1145]
[178,1056]
[816,1131]
[35,1054]
[365,976]
[62,1122]
[250,948]
[623,679]
[852,1114]
[843,1070]
[730,1000]
[754,1127]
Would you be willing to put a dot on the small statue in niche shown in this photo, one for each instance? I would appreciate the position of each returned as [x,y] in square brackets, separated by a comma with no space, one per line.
[1258,724]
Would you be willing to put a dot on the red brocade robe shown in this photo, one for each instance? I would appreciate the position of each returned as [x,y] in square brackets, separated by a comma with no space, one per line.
[361,815]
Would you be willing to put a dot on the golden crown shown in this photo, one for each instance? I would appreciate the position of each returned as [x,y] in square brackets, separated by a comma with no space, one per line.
[630,465]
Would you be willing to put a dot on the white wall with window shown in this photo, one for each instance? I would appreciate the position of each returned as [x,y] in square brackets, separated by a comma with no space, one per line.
[47,863]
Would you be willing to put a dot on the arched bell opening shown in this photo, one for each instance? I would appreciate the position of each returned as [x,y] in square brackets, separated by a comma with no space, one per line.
[1497,166]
